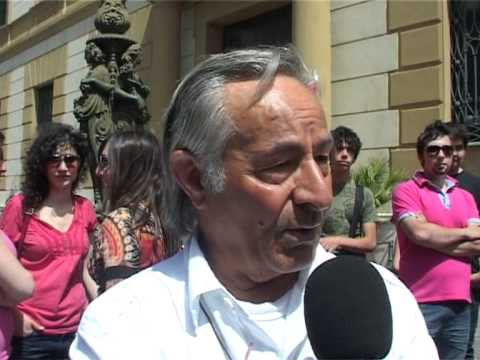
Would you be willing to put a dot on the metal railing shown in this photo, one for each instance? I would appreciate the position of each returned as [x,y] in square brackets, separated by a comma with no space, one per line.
[465,64]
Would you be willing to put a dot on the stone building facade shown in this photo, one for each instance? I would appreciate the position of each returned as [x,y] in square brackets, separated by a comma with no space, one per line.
[384,65]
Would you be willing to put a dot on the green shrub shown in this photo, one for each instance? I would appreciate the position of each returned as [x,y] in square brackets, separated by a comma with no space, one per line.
[379,178]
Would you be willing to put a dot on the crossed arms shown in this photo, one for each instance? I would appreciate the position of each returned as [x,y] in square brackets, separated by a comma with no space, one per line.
[460,241]
[450,241]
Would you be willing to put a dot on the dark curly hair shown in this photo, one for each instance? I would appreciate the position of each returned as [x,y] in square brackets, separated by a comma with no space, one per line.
[343,134]
[431,132]
[35,187]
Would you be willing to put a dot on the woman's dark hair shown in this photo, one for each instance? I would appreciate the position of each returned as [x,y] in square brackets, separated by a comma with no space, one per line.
[343,134]
[35,187]
[135,169]
[433,131]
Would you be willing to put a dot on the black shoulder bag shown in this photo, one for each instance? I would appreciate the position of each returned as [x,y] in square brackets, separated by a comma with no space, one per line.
[356,223]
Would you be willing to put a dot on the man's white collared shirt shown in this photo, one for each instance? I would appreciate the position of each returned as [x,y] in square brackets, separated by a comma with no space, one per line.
[177,309]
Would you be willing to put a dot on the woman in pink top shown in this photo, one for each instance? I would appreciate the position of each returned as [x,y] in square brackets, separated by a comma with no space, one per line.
[50,228]
[16,283]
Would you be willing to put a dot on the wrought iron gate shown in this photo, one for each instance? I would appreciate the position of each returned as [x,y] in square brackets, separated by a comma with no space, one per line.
[465,64]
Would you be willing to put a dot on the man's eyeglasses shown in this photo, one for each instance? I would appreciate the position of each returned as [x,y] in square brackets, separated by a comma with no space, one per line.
[102,162]
[69,160]
[434,150]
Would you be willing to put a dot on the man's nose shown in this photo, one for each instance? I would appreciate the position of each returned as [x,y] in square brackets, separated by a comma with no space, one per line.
[344,153]
[62,165]
[314,186]
[442,153]
[3,167]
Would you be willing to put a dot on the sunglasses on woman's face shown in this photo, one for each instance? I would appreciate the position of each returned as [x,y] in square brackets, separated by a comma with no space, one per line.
[70,160]
[434,150]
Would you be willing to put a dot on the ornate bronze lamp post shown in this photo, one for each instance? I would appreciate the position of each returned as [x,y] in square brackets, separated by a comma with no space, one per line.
[113,95]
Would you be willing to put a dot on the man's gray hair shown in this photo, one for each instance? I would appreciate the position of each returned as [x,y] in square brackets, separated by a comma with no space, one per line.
[196,120]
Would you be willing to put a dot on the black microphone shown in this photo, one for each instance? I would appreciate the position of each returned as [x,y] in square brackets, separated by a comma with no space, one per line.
[347,310]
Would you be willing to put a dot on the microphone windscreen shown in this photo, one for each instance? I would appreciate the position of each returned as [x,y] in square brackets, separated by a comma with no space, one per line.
[347,310]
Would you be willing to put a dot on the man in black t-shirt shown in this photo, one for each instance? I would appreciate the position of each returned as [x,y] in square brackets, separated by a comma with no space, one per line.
[471,183]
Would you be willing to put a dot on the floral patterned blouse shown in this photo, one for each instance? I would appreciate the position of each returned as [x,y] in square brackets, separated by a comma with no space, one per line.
[120,249]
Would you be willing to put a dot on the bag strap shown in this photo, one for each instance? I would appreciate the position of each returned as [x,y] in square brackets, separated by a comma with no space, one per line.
[357,211]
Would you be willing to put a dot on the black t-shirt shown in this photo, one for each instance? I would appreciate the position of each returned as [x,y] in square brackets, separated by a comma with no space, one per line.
[471,183]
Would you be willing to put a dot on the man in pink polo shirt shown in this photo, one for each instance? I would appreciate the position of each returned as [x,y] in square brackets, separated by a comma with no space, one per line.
[438,230]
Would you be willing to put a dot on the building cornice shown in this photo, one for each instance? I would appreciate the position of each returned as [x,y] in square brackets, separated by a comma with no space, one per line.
[28,31]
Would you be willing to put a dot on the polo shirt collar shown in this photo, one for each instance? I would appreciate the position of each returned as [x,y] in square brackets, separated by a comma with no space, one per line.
[422,181]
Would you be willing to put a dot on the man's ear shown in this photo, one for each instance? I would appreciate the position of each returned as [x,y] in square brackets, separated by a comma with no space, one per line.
[188,176]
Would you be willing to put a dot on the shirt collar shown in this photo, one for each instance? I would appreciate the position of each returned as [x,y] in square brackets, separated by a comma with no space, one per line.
[459,171]
[349,184]
[422,181]
[202,280]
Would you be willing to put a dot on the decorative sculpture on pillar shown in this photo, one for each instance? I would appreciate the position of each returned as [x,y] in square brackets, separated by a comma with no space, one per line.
[113,95]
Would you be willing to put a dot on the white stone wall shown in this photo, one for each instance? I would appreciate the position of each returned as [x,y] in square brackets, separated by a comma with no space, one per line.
[18,8]
[363,54]
[16,97]
[14,131]
[43,47]
[76,70]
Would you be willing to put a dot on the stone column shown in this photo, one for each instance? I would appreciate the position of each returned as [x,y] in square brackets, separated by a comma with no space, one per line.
[312,37]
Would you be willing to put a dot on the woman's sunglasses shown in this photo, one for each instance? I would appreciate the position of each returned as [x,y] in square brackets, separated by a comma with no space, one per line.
[69,160]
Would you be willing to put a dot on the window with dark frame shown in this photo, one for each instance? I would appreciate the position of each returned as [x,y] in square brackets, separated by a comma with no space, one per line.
[465,64]
[44,101]
[3,12]
[271,28]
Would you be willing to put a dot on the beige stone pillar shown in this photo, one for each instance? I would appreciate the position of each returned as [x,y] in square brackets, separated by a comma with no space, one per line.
[447,77]
[312,37]
[164,33]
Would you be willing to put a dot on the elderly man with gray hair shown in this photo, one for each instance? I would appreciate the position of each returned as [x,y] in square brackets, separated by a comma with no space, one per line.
[247,181]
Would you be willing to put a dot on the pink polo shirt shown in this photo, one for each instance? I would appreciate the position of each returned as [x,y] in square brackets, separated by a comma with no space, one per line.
[430,275]
[55,259]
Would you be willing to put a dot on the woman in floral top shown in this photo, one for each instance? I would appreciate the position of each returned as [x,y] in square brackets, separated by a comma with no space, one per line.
[131,237]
